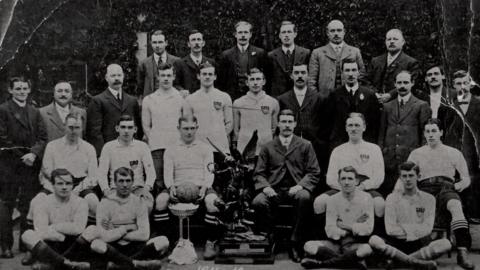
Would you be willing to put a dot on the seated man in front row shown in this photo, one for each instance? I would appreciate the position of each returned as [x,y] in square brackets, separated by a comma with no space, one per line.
[366,158]
[58,220]
[438,164]
[287,171]
[122,233]
[349,223]
[127,152]
[188,161]
[409,218]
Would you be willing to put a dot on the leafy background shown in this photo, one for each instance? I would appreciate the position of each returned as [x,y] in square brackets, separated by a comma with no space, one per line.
[49,40]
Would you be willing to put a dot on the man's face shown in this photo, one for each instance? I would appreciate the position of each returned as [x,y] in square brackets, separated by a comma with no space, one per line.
[126,130]
[351,73]
[434,77]
[166,78]
[243,34]
[207,76]
[255,82]
[159,44]
[196,42]
[432,134]
[394,41]
[300,76]
[335,32]
[63,186]
[20,91]
[73,128]
[187,130]
[409,179]
[286,125]
[462,86]
[355,128]
[347,181]
[123,185]
[287,34]
[403,83]
[114,77]
[62,94]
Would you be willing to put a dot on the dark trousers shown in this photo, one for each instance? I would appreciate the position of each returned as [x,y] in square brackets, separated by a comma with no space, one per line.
[6,224]
[266,210]
[157,156]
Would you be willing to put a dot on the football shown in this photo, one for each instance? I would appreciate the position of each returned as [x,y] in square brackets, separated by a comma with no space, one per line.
[187,192]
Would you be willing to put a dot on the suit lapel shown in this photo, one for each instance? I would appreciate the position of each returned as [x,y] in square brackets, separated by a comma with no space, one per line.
[113,100]
[189,62]
[293,145]
[16,114]
[281,59]
[408,108]
[346,51]
[308,98]
[277,145]
[294,100]
[329,52]
[54,117]
[298,56]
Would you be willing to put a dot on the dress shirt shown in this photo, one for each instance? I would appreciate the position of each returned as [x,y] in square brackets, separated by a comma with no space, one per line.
[391,58]
[62,111]
[300,94]
[285,140]
[188,163]
[20,104]
[337,47]
[435,101]
[196,60]
[404,98]
[158,57]
[115,93]
[410,216]
[348,211]
[291,49]
[243,48]
[352,90]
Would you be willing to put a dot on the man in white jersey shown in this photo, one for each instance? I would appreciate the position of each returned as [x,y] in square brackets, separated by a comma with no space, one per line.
[254,111]
[58,221]
[349,224]
[123,230]
[127,152]
[366,158]
[439,164]
[409,218]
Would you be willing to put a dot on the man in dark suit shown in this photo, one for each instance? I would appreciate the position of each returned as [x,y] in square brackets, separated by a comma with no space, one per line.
[105,110]
[384,68]
[352,98]
[282,59]
[308,108]
[325,64]
[22,141]
[187,68]
[54,114]
[467,137]
[279,177]
[147,80]
[235,62]
[401,124]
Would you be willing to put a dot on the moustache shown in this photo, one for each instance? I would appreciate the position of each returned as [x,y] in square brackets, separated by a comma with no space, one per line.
[300,80]
[117,82]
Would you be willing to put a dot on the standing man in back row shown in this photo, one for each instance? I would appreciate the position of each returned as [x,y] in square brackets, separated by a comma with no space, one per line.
[147,79]
[326,62]
[235,62]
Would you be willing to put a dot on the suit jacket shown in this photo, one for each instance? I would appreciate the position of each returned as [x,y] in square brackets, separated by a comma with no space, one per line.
[322,67]
[147,73]
[401,130]
[228,79]
[382,77]
[53,123]
[278,75]
[104,111]
[341,104]
[186,72]
[274,161]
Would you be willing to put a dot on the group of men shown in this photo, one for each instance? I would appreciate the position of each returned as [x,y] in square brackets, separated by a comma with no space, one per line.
[334,138]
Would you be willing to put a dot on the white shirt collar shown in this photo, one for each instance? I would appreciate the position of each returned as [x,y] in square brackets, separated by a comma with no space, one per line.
[285,140]
[354,88]
[391,58]
[65,109]
[245,47]
[284,49]
[163,56]
[196,59]
[300,92]
[20,104]
[435,95]
[405,98]
[337,45]
[115,92]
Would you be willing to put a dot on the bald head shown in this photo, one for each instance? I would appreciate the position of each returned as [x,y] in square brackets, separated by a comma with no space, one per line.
[335,32]
[114,76]
[394,41]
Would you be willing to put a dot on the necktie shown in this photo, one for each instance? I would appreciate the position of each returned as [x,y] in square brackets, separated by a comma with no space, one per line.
[289,54]
[402,103]
[337,49]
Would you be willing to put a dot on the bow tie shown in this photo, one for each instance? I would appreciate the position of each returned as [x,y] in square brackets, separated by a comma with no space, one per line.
[462,102]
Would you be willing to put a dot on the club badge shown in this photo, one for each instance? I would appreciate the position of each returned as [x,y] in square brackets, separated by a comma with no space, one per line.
[217,105]
[362,97]
[265,109]
[364,158]
[133,164]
